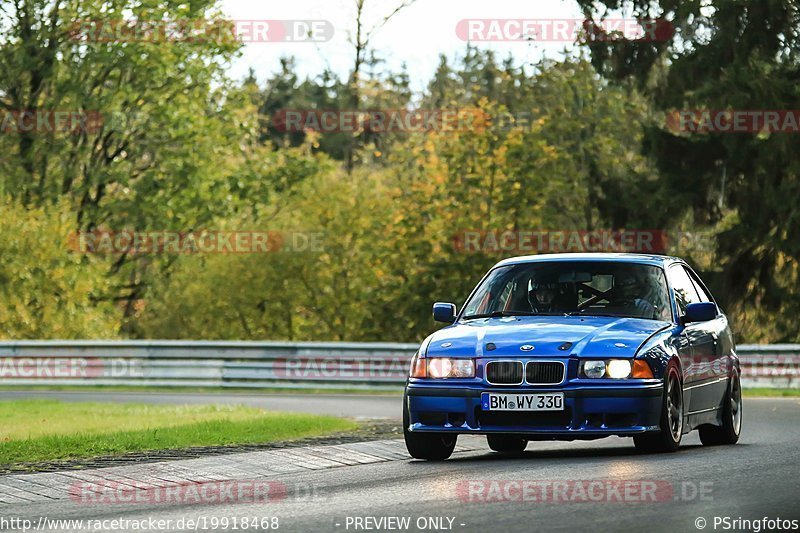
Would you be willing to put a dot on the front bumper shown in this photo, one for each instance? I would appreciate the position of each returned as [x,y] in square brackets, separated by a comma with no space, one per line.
[589,411]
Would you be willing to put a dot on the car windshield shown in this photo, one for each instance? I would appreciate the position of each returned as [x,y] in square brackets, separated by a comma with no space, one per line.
[590,288]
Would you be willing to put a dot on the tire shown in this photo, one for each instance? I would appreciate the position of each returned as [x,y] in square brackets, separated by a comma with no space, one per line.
[428,446]
[668,437]
[506,443]
[731,428]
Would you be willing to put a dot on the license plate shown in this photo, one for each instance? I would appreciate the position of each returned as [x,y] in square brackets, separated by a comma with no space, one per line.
[491,401]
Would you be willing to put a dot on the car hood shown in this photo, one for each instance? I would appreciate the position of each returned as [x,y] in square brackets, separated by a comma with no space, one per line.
[581,336]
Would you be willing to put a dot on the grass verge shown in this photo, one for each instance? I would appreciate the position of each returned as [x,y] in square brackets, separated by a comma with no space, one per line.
[47,430]
[396,391]
[772,393]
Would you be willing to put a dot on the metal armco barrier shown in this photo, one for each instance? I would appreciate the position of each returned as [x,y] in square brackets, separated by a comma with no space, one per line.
[273,364]
[770,365]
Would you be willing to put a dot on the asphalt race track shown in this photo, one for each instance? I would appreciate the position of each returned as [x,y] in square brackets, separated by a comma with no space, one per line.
[754,479]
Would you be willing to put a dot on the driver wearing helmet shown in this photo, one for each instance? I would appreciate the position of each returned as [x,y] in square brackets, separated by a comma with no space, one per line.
[542,297]
[632,295]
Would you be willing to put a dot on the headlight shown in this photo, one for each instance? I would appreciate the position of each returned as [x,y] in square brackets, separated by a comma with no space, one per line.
[594,369]
[445,367]
[618,368]
[615,369]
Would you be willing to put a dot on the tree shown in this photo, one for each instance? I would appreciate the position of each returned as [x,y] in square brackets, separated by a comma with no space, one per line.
[360,39]
[726,55]
[47,291]
[172,130]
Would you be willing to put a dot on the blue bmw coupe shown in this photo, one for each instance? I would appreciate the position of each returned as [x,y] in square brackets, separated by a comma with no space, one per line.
[576,346]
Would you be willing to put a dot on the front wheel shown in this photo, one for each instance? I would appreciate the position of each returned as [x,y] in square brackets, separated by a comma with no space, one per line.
[728,432]
[668,437]
[506,443]
[428,446]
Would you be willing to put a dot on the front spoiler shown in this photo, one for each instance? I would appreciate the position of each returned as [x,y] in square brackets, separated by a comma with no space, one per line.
[590,411]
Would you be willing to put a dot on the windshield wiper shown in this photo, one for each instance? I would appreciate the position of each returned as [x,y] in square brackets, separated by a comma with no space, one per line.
[493,314]
[581,313]
[498,314]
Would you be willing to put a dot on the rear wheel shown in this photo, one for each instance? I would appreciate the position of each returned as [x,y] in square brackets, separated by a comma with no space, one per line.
[728,432]
[668,437]
[429,446]
[506,443]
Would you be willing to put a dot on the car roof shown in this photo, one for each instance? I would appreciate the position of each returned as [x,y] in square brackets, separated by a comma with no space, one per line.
[645,259]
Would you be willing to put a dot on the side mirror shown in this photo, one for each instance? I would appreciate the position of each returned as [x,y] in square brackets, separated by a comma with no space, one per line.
[444,312]
[700,312]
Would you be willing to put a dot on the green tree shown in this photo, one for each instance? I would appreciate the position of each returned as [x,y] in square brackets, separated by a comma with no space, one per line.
[726,55]
[47,291]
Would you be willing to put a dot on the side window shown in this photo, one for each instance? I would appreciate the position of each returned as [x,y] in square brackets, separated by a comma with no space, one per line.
[682,284]
[704,296]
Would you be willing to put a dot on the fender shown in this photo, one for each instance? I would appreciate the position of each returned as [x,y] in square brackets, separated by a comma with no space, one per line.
[659,350]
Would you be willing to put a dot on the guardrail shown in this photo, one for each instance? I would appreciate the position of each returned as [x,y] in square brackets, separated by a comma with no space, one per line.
[296,365]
